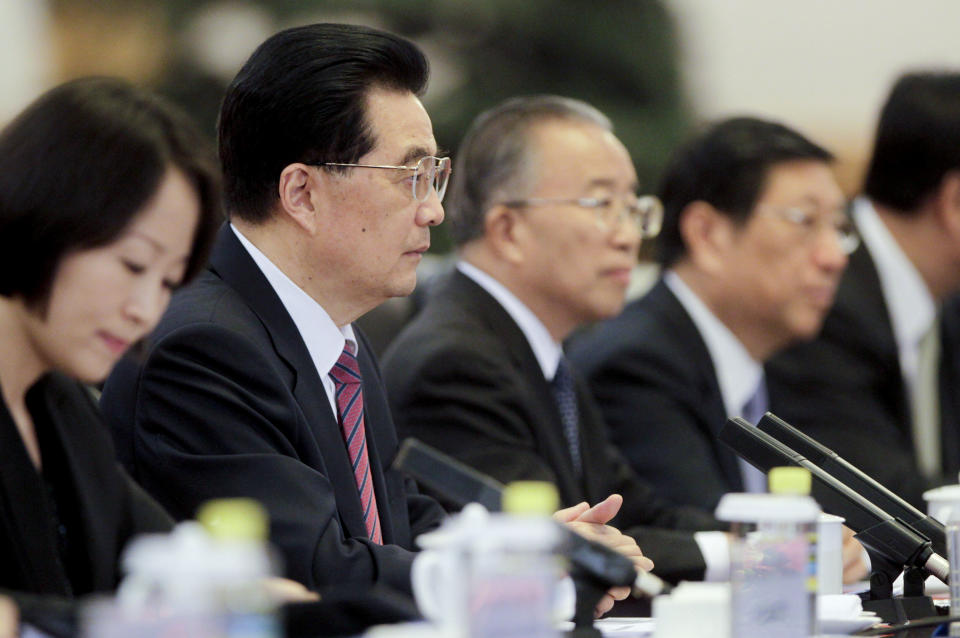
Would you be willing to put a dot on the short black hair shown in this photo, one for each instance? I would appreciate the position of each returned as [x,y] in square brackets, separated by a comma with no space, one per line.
[77,166]
[301,97]
[917,141]
[726,166]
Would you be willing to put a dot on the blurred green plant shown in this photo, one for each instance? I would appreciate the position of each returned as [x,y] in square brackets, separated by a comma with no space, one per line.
[619,55]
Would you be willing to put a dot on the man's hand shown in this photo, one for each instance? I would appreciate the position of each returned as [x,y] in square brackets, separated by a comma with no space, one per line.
[591,523]
[284,590]
[10,618]
[854,561]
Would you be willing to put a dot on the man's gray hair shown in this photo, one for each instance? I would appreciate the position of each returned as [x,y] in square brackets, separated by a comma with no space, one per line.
[493,163]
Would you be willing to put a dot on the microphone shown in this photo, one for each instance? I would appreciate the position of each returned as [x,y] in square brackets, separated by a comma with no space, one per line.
[462,484]
[875,528]
[854,478]
[457,481]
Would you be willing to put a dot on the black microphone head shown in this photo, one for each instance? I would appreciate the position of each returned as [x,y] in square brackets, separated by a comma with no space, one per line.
[758,448]
[794,438]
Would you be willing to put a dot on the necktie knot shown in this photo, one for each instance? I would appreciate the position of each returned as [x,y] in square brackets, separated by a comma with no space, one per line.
[346,369]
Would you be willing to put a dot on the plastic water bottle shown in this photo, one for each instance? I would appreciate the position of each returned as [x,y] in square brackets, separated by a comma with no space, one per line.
[244,560]
[773,557]
[202,580]
[515,568]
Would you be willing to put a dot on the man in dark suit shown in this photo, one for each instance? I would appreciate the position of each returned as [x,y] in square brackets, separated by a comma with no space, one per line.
[255,383]
[879,385]
[751,255]
[244,387]
[547,224]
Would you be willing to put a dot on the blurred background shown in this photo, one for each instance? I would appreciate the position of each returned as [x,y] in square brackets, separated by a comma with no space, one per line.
[657,68]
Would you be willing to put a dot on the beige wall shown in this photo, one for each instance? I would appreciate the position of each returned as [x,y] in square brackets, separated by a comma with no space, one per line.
[823,66]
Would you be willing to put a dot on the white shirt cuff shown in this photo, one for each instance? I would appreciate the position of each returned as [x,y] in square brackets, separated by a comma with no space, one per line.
[715,547]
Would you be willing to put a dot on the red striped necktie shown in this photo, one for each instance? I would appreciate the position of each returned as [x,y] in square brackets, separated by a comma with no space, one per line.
[349,394]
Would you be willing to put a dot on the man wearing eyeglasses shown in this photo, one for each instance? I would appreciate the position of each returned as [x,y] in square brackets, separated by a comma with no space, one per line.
[251,385]
[753,244]
[547,221]
[879,385]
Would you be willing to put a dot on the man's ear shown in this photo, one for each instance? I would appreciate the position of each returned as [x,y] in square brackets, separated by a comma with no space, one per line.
[298,200]
[707,234]
[948,204]
[505,233]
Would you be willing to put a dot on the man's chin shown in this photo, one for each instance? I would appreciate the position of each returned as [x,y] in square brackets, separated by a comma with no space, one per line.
[403,287]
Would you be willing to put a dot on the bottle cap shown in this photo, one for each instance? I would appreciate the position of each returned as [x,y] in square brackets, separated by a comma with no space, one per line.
[789,480]
[530,497]
[234,519]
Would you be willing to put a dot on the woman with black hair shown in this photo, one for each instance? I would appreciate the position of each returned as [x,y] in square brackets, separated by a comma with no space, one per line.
[109,199]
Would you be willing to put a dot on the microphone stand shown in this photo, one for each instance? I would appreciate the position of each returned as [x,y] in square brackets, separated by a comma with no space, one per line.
[880,600]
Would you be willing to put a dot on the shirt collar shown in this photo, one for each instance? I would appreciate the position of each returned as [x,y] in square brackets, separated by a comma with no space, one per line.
[545,349]
[323,338]
[911,306]
[738,375]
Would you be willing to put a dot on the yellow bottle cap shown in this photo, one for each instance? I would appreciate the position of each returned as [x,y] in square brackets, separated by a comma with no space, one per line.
[530,497]
[234,519]
[789,480]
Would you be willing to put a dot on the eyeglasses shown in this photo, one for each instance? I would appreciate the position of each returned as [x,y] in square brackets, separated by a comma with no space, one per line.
[429,171]
[809,224]
[644,212]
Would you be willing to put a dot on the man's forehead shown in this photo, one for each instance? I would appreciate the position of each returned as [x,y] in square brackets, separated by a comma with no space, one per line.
[802,180]
[400,126]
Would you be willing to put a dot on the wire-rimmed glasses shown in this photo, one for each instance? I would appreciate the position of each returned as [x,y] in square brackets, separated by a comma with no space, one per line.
[809,223]
[644,212]
[429,171]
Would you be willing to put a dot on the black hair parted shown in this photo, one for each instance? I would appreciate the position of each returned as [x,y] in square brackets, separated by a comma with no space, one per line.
[917,141]
[301,97]
[726,166]
[77,166]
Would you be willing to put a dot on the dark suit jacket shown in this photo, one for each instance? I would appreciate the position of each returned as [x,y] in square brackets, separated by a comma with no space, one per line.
[846,389]
[654,380]
[463,378]
[226,401]
[100,505]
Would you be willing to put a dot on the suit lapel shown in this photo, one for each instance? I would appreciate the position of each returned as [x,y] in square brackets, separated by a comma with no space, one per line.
[860,303]
[949,377]
[68,406]
[232,263]
[23,506]
[548,426]
[687,339]
[380,440]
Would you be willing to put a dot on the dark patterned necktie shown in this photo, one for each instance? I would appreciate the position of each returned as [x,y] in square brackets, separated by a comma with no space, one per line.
[755,407]
[349,394]
[566,397]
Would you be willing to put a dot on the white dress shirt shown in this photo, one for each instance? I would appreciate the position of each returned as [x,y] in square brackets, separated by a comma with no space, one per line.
[323,338]
[713,545]
[738,374]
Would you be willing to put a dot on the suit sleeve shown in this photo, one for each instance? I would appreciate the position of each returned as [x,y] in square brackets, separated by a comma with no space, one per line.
[652,411]
[208,426]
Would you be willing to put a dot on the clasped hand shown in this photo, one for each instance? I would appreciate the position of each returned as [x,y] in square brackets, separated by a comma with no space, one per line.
[591,523]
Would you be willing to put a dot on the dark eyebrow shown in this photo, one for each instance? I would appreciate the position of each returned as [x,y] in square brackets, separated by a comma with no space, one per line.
[414,154]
